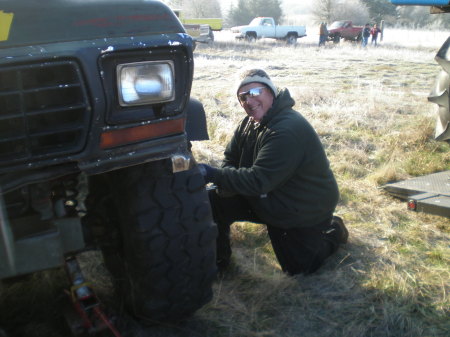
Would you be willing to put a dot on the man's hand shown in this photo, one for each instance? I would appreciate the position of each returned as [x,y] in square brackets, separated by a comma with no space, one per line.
[208,172]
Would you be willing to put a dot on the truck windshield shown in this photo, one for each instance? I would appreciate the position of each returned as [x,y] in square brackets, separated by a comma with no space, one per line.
[255,22]
[336,24]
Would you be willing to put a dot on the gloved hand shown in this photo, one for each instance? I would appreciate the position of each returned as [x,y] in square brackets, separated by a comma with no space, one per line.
[208,172]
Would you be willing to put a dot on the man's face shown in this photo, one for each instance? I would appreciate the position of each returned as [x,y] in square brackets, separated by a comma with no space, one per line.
[256,106]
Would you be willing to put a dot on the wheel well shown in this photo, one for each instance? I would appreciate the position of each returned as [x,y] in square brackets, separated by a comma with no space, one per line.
[252,33]
[292,33]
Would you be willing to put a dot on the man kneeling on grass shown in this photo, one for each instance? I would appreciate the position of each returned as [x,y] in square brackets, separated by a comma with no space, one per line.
[275,172]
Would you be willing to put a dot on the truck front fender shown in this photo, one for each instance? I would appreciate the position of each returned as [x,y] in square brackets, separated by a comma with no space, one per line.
[196,127]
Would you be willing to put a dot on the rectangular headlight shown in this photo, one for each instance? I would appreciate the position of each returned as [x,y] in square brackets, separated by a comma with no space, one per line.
[146,82]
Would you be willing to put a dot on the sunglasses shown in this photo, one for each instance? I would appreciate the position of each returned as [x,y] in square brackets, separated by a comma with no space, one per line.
[254,92]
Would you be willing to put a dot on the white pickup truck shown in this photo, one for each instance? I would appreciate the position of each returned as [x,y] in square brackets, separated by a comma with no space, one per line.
[265,27]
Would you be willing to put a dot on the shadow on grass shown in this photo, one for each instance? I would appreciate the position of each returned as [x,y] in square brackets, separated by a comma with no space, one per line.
[253,298]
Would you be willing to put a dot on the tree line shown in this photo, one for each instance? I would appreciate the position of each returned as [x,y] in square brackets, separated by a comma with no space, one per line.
[241,12]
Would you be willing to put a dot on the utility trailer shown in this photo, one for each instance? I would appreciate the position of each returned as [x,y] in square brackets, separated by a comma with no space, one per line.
[429,194]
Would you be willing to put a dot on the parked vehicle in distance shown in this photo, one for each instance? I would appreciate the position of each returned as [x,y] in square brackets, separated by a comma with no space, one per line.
[199,33]
[214,24]
[265,27]
[344,30]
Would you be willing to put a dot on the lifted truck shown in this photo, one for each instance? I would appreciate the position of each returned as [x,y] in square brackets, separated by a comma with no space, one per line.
[95,95]
[431,193]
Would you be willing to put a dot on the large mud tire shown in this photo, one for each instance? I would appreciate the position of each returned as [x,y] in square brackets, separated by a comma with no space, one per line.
[162,247]
[440,94]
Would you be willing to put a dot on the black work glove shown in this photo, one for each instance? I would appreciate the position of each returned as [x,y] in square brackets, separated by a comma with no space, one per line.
[208,172]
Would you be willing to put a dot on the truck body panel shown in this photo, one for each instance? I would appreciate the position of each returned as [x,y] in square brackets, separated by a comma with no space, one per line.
[216,24]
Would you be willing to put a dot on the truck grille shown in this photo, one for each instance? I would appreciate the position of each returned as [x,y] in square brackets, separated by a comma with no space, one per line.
[44,112]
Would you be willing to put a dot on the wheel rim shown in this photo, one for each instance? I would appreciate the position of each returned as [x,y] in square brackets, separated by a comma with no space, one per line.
[440,94]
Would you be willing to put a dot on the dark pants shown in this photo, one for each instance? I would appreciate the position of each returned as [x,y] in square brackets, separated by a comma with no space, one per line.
[298,250]
[322,40]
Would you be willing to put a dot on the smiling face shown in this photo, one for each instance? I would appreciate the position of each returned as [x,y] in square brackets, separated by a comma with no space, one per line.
[257,106]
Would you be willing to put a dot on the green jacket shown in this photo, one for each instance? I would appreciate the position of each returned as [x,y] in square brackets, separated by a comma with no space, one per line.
[281,168]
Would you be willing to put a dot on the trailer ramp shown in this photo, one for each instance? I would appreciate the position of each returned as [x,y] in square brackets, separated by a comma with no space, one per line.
[429,194]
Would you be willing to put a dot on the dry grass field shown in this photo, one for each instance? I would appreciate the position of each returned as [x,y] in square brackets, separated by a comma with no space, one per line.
[369,107]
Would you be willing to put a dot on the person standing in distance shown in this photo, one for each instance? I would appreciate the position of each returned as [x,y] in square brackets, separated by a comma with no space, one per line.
[374,32]
[275,172]
[365,35]
[323,34]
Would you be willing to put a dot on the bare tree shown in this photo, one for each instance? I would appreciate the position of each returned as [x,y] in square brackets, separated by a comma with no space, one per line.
[333,10]
[202,8]
[196,8]
[417,16]
[175,4]
[323,10]
[353,10]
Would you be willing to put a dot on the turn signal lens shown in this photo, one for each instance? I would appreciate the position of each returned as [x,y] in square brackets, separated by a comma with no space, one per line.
[141,133]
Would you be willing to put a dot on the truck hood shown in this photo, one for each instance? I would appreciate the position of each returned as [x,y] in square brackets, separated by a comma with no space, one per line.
[27,22]
[237,29]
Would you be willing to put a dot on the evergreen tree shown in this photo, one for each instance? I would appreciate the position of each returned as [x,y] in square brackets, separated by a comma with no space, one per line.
[323,10]
[202,8]
[334,10]
[420,17]
[380,10]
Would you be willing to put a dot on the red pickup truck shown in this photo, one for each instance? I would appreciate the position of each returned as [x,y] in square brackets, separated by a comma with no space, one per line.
[344,30]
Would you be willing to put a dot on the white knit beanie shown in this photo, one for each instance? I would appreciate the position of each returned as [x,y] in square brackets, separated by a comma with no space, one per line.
[256,75]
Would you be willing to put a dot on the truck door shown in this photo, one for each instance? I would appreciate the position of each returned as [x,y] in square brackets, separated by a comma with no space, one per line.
[267,28]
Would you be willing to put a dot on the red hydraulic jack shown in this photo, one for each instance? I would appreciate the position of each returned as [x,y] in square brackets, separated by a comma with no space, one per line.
[91,318]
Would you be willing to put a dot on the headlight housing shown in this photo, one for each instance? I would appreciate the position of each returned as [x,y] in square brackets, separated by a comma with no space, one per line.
[145,82]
